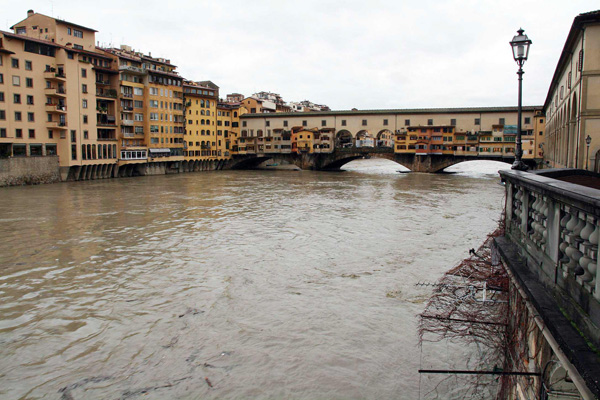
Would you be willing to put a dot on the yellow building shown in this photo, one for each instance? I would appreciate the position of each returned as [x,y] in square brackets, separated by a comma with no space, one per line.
[150,111]
[201,121]
[228,127]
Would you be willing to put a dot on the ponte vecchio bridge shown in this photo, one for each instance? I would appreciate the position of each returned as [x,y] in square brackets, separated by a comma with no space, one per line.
[423,140]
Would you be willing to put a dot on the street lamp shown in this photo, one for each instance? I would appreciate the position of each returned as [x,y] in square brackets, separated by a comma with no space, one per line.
[520,47]
[588,140]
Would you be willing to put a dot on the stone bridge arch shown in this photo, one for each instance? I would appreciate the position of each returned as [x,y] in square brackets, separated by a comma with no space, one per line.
[344,139]
[249,162]
[385,138]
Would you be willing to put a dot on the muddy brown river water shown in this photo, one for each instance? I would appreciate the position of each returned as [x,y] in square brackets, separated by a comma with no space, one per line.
[229,284]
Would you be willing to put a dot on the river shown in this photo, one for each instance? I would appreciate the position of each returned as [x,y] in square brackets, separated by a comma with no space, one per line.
[230,284]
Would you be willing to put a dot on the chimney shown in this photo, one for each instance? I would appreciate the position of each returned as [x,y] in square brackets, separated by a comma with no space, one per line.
[30,13]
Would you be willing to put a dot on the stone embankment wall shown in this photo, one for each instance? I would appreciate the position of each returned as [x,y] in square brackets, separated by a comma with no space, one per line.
[29,170]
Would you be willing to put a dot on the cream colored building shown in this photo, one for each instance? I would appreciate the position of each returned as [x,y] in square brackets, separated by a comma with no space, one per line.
[48,102]
[382,127]
[572,106]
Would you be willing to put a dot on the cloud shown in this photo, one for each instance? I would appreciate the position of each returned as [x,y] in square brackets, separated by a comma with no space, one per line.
[376,54]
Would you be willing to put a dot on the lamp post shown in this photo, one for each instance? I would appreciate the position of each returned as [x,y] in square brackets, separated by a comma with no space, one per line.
[520,47]
[588,140]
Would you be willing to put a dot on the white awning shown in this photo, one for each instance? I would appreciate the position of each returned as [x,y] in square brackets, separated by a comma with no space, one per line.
[160,151]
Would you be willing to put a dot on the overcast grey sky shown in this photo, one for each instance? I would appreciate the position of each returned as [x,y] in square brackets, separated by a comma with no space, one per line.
[364,54]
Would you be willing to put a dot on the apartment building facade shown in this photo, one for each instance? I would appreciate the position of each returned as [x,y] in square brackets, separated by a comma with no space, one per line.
[48,96]
[572,106]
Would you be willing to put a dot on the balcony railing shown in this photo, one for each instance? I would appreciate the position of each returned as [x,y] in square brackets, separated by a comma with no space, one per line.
[55,108]
[55,91]
[112,93]
[556,226]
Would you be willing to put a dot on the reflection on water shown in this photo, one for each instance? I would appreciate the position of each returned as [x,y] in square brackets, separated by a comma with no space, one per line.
[237,284]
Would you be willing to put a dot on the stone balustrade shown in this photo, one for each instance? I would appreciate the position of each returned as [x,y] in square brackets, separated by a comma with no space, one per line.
[555,223]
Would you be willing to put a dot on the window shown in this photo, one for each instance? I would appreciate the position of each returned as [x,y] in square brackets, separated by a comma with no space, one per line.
[19,133]
[453,121]
[304,123]
[32,134]
[84,88]
[73,152]
[30,100]
[267,123]
[84,103]
[138,104]
[2,97]
[154,91]
[86,135]
[30,117]
[527,120]
[16,80]
[502,121]
[28,65]
[68,31]
[285,123]
[50,134]
[407,122]
[77,33]
[323,122]
[138,91]
[2,115]
[430,121]
[154,103]
[364,122]
[29,82]
[477,121]
[1,78]
[70,55]
[17,98]
[83,73]
[85,119]
[2,132]
[73,136]
[15,62]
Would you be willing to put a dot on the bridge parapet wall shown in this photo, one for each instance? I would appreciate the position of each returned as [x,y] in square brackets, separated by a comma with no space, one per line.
[554,224]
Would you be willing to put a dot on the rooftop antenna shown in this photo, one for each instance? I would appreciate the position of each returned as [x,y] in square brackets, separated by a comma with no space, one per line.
[52,9]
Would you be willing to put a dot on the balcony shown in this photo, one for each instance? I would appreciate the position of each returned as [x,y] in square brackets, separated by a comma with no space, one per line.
[107,93]
[105,120]
[56,76]
[102,82]
[56,125]
[127,122]
[55,108]
[55,92]
[131,69]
